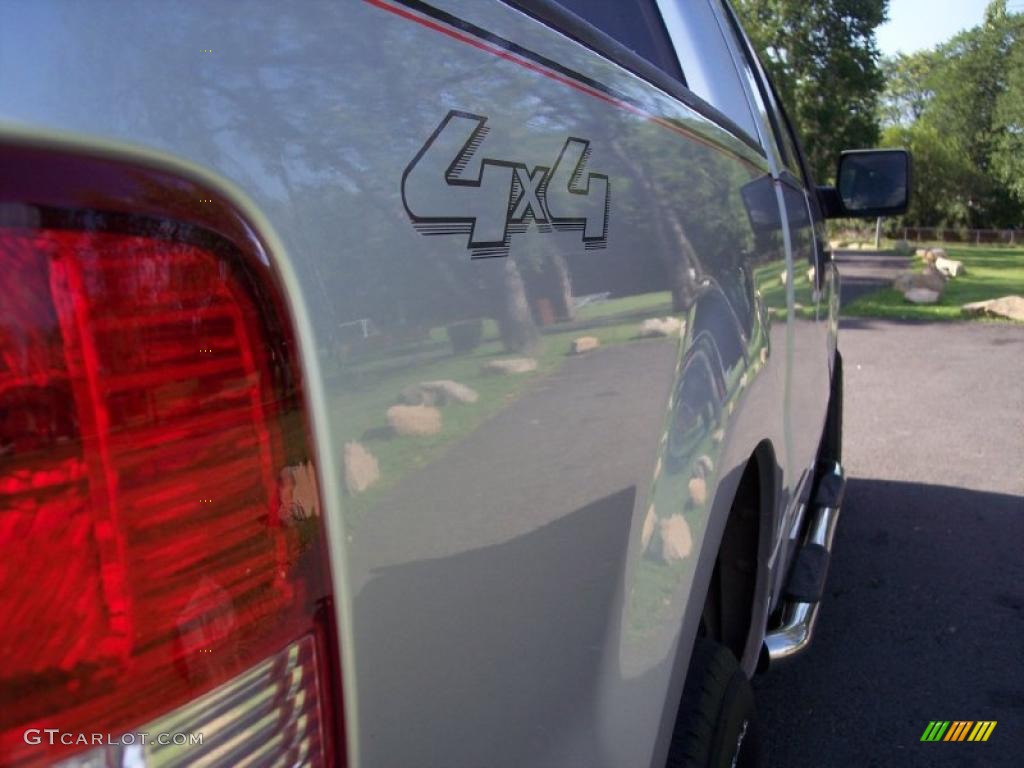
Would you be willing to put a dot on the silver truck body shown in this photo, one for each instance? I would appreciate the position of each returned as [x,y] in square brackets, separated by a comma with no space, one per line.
[524,587]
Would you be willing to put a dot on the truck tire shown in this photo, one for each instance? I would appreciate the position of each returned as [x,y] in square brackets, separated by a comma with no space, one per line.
[717,723]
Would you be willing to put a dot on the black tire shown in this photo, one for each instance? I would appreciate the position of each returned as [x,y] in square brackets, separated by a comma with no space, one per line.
[717,722]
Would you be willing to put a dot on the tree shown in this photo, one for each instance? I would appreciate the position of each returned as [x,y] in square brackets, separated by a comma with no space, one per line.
[908,87]
[824,60]
[945,182]
[1008,150]
[974,108]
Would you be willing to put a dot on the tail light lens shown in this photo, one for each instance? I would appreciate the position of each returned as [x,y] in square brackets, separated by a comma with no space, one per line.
[162,557]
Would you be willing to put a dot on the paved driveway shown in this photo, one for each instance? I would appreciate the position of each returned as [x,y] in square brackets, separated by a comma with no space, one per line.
[924,618]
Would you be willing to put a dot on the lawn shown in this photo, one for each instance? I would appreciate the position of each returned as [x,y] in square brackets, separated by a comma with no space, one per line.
[374,383]
[990,273]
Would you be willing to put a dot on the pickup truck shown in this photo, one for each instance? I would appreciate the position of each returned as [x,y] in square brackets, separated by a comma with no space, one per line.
[404,383]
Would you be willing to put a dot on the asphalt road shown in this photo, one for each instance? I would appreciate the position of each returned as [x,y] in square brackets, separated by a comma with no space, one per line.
[924,616]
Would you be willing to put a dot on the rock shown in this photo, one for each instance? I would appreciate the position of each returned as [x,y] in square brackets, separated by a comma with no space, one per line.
[648,530]
[437,393]
[705,465]
[511,365]
[698,490]
[409,420]
[930,278]
[676,540]
[1011,307]
[655,327]
[921,296]
[361,468]
[903,247]
[415,394]
[949,267]
[585,344]
[449,391]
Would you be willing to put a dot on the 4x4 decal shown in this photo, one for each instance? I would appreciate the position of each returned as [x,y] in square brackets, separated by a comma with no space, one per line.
[449,188]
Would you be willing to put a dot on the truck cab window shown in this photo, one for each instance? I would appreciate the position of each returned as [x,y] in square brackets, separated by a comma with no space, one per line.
[636,24]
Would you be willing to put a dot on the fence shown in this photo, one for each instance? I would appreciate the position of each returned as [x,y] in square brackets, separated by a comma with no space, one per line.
[976,236]
[936,234]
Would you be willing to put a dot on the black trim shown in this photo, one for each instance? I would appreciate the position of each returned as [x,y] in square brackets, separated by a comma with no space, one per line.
[554,14]
[583,32]
[764,87]
[569,24]
[874,213]
[828,199]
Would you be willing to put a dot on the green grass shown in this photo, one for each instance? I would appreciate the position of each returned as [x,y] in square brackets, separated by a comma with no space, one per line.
[769,282]
[990,273]
[374,385]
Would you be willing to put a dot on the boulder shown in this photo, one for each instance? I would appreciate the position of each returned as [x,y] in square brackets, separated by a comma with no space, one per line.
[650,521]
[415,394]
[921,296]
[361,468]
[676,539]
[949,267]
[655,327]
[448,391]
[511,365]
[585,344]
[1011,307]
[408,420]
[705,465]
[698,490]
[930,278]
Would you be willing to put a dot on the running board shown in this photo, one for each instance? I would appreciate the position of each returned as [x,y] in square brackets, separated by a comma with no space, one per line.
[805,586]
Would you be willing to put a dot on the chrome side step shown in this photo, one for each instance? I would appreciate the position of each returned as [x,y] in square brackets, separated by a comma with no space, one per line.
[806,584]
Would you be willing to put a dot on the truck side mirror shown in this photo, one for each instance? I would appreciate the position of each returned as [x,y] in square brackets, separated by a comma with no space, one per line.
[869,183]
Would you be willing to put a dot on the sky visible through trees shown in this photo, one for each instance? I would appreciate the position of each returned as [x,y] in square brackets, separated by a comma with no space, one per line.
[959,107]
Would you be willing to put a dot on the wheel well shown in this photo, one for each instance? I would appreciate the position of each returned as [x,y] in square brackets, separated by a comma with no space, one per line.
[729,606]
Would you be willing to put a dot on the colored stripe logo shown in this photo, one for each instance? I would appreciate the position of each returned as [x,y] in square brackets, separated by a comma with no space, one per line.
[958,730]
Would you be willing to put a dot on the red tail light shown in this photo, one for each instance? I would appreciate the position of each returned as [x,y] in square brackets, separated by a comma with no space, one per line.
[160,533]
